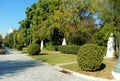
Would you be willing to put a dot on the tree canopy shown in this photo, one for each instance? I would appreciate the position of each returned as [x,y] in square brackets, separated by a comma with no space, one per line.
[79,21]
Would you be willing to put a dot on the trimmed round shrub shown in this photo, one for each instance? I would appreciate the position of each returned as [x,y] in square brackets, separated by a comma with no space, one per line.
[90,57]
[69,49]
[34,49]
[19,47]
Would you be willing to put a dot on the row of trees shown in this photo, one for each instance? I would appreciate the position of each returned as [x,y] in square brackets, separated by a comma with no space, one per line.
[79,21]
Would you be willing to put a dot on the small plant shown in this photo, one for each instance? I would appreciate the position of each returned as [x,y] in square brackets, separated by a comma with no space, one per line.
[69,49]
[34,49]
[90,57]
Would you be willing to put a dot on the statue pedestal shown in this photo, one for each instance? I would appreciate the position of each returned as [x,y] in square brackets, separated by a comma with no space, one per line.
[116,75]
[110,55]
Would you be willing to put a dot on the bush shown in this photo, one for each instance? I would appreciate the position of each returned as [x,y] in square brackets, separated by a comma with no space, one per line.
[69,49]
[34,49]
[49,46]
[90,57]
[19,47]
[104,49]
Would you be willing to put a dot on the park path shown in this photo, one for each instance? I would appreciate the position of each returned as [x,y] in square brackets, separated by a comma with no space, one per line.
[15,66]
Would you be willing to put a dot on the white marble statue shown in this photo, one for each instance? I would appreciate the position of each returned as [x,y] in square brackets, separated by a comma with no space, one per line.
[110,47]
[41,45]
[64,41]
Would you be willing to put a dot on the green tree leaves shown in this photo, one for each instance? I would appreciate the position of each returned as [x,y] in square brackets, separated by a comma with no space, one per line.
[73,19]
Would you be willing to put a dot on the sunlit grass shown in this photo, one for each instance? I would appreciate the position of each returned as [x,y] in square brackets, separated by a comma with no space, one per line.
[106,72]
[54,57]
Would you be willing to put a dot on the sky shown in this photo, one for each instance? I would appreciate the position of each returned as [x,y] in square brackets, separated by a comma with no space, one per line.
[11,12]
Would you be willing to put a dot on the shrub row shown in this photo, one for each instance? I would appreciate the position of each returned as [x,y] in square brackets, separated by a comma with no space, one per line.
[68,49]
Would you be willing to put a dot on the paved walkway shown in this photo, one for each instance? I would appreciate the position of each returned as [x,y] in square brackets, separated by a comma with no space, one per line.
[16,66]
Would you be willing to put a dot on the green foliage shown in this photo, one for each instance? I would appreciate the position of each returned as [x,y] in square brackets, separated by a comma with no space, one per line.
[104,49]
[6,40]
[34,49]
[55,19]
[74,19]
[49,46]
[81,38]
[57,37]
[103,34]
[69,49]
[90,57]
[19,46]
[1,39]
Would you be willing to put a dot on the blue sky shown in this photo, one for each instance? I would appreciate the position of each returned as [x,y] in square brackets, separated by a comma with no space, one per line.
[11,12]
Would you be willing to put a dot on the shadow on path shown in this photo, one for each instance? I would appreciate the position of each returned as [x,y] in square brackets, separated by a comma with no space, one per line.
[12,67]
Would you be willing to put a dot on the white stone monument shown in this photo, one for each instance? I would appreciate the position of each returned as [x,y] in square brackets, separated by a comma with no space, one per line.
[41,47]
[110,47]
[64,41]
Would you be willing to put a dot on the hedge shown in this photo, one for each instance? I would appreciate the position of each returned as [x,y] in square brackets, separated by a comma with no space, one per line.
[69,49]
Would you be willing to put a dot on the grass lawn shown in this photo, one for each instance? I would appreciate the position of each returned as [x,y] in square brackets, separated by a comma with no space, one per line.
[54,57]
[106,72]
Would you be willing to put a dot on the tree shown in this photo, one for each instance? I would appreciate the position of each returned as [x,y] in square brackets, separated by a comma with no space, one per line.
[62,18]
[0,39]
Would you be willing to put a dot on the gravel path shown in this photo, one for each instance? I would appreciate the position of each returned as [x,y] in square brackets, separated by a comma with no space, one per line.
[19,67]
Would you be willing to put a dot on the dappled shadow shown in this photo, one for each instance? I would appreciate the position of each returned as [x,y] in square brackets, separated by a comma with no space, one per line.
[16,66]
